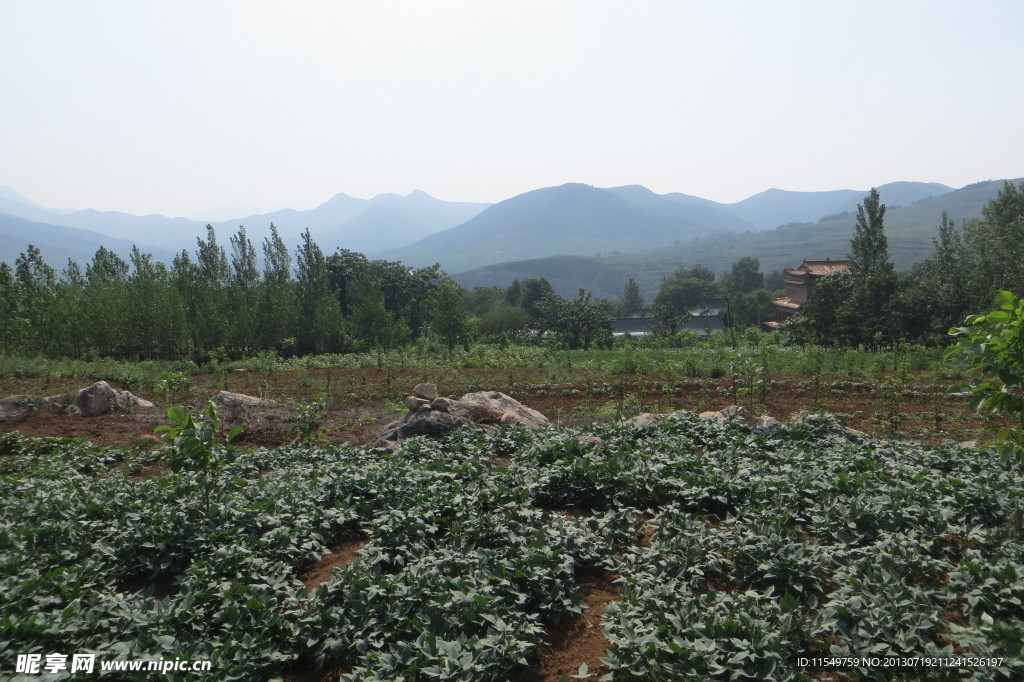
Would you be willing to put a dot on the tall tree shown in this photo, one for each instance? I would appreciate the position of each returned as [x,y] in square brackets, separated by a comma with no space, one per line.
[449,319]
[212,311]
[869,248]
[109,303]
[184,279]
[12,321]
[320,315]
[37,284]
[344,267]
[528,295]
[579,322]
[375,327]
[278,305]
[745,276]
[156,320]
[995,246]
[243,285]
[632,301]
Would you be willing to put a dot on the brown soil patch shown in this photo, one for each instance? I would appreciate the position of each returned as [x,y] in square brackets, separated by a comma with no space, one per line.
[341,555]
[500,461]
[646,535]
[360,401]
[154,470]
[577,640]
[953,612]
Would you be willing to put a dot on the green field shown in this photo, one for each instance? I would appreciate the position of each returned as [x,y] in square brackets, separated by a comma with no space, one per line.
[735,552]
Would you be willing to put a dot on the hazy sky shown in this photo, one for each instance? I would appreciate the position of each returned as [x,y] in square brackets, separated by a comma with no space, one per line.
[176,107]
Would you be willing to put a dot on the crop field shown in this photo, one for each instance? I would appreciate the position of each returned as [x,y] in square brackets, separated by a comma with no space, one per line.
[903,393]
[687,550]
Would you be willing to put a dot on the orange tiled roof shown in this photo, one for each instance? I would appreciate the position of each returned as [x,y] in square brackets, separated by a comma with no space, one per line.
[786,303]
[819,268]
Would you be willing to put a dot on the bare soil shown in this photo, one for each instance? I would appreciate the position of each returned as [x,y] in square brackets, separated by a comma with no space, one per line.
[578,640]
[360,401]
[341,554]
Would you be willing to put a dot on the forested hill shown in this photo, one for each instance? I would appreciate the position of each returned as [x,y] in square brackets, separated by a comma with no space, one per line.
[910,231]
[581,220]
[572,219]
[567,274]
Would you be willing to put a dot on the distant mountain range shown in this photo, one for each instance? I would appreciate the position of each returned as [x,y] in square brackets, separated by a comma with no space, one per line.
[581,220]
[364,225]
[575,235]
[910,229]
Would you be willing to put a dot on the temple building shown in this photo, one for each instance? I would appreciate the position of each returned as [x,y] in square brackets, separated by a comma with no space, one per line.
[799,281]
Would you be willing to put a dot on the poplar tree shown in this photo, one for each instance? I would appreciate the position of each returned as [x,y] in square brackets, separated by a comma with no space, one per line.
[278,306]
[242,290]
[869,248]
[632,301]
[320,322]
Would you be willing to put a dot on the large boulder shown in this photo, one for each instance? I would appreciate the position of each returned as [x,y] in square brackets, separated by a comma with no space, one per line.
[493,407]
[16,405]
[101,398]
[485,408]
[426,391]
[419,423]
[234,405]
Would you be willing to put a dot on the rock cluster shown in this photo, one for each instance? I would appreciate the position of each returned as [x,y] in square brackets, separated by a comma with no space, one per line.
[91,401]
[432,415]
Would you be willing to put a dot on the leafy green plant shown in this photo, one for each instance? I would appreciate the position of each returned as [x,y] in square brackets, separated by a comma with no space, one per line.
[195,439]
[996,340]
[195,445]
[309,420]
[174,383]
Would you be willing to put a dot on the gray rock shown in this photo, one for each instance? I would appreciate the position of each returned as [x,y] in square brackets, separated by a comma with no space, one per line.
[486,408]
[848,433]
[100,399]
[594,441]
[493,407]
[414,403]
[440,404]
[14,406]
[234,405]
[96,400]
[426,391]
[425,423]
[737,412]
[647,419]
[766,422]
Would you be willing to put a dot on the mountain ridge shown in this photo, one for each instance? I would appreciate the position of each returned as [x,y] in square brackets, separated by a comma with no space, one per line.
[628,224]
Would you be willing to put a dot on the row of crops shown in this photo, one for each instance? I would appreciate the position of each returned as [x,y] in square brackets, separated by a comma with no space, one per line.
[743,555]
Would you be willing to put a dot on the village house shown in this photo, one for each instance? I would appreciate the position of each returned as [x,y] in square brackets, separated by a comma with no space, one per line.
[799,281]
[704,319]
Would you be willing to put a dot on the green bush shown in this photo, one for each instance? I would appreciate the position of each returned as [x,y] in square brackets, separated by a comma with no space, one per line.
[996,342]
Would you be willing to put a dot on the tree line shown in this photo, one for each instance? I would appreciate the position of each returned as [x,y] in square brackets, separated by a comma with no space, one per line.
[873,305]
[218,300]
[215,299]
